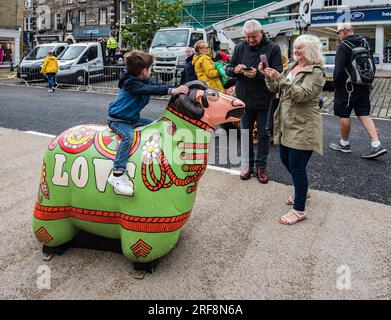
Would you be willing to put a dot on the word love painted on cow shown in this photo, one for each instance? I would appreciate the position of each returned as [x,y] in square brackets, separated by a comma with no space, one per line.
[80,172]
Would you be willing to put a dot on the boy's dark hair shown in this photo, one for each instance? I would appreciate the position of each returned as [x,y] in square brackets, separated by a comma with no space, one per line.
[136,61]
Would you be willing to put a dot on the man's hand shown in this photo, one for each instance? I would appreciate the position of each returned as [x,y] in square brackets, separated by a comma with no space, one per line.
[239,68]
[250,73]
[179,90]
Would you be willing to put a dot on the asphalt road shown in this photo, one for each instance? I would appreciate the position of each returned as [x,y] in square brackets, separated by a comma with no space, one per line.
[346,174]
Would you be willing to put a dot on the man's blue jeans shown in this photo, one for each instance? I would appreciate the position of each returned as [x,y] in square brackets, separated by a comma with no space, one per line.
[126,131]
[296,162]
[247,122]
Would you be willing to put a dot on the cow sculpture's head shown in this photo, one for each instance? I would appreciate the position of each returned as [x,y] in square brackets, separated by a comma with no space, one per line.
[207,105]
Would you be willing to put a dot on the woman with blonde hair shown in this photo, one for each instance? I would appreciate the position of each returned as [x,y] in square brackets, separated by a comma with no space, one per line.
[204,67]
[297,121]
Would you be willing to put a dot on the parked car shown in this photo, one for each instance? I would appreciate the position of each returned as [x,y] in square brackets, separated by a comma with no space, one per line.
[329,58]
[29,68]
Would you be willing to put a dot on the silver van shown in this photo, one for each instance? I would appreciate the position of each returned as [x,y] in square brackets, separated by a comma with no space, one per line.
[29,68]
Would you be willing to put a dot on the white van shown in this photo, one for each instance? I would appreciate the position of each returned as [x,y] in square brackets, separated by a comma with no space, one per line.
[83,61]
[29,68]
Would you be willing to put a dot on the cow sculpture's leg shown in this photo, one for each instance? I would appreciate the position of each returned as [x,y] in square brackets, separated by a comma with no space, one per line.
[55,235]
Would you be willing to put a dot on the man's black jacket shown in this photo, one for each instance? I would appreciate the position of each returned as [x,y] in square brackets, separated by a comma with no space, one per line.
[253,92]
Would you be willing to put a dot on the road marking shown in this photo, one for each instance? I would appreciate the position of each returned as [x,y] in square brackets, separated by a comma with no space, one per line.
[40,134]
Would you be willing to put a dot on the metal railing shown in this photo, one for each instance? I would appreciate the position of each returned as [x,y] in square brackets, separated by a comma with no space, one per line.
[94,78]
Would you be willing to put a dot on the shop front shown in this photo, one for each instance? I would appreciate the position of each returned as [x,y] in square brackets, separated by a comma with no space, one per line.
[10,45]
[374,24]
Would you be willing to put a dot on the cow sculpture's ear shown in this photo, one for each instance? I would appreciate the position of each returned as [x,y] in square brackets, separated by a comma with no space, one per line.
[197,84]
[188,104]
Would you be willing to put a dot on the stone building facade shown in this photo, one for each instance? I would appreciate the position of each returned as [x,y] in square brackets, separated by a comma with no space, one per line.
[70,20]
[11,27]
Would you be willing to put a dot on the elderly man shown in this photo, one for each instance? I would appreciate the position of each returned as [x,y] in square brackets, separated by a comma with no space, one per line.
[360,95]
[251,88]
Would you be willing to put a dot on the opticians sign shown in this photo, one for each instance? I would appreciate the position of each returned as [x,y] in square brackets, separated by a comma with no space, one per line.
[351,16]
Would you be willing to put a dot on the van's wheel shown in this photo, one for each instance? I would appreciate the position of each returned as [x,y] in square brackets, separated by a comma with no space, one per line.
[82,78]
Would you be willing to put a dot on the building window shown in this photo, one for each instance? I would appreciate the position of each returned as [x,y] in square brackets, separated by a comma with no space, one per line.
[58,21]
[102,16]
[28,25]
[82,0]
[330,3]
[82,18]
[27,4]
[69,1]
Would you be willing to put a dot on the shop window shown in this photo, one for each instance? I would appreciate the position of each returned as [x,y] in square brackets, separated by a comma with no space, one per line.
[27,4]
[387,45]
[330,3]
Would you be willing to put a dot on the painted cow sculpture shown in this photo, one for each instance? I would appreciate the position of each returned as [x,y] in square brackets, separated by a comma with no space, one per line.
[166,160]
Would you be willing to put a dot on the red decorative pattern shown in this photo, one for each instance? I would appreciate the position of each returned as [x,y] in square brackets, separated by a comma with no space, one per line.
[43,236]
[197,123]
[133,223]
[141,249]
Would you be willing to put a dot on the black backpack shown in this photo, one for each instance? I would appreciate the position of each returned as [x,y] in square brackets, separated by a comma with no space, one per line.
[361,70]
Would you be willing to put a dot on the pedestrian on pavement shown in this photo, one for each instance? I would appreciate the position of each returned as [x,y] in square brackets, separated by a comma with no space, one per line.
[112,47]
[297,120]
[8,54]
[188,73]
[251,88]
[204,67]
[49,69]
[350,96]
[1,54]
[124,112]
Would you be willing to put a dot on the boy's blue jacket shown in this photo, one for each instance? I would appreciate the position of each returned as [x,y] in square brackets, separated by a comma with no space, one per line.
[133,96]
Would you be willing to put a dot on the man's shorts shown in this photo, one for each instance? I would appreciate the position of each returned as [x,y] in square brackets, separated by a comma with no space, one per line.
[359,102]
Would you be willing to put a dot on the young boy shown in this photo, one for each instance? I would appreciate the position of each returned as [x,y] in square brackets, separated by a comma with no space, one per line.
[124,111]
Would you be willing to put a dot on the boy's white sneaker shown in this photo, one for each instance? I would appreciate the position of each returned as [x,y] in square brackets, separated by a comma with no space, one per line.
[121,184]
[50,90]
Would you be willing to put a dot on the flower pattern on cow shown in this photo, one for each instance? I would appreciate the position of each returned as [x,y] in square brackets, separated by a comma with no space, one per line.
[151,149]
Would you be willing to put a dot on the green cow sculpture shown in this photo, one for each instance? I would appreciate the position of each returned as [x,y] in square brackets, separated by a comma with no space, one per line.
[167,159]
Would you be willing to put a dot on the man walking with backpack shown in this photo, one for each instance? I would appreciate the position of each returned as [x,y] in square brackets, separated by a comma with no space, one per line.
[353,76]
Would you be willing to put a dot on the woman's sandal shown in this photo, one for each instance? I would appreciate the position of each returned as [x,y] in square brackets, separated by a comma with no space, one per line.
[292,217]
[291,199]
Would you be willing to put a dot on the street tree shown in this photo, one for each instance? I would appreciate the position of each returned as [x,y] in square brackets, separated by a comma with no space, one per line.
[148,16]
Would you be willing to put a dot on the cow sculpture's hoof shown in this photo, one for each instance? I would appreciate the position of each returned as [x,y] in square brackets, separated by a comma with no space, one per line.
[149,267]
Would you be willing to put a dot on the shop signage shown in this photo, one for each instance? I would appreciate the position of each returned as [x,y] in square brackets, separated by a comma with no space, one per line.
[353,16]
[91,32]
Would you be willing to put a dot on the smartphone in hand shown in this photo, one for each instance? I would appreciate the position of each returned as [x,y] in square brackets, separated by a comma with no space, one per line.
[247,68]
[265,63]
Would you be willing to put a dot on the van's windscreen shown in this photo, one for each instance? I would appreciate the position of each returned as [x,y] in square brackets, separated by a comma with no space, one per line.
[170,38]
[39,53]
[72,52]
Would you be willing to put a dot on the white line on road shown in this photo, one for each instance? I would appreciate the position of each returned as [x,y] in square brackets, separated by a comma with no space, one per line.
[40,134]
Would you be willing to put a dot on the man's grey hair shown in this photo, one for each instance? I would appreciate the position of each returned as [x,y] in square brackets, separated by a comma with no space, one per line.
[251,26]
[344,26]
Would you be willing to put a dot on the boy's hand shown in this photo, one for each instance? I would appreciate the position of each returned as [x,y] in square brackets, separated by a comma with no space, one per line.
[179,90]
